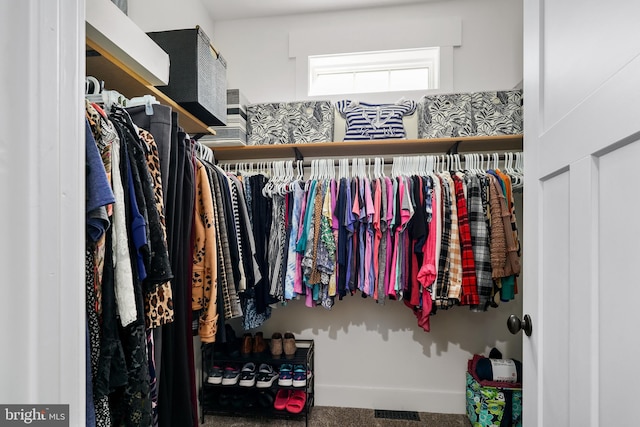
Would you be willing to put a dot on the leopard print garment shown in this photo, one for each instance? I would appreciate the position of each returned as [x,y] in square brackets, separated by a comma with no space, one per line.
[158,304]
[101,403]
[103,134]
[203,281]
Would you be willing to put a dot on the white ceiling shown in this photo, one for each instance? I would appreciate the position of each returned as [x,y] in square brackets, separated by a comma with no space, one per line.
[223,10]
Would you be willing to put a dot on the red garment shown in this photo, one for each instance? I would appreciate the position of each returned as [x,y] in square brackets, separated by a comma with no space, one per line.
[469,283]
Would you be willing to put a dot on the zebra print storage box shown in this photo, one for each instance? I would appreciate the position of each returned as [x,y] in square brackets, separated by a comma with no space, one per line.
[497,112]
[445,116]
[470,114]
[290,122]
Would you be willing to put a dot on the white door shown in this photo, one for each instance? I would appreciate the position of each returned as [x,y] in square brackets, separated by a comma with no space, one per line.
[582,212]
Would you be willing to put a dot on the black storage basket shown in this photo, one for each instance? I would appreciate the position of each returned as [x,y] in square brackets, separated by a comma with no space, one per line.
[197,76]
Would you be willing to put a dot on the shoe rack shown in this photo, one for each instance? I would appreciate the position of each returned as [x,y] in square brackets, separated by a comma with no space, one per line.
[255,400]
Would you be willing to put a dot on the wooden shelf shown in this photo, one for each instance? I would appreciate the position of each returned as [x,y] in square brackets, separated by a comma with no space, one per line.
[371,148]
[120,77]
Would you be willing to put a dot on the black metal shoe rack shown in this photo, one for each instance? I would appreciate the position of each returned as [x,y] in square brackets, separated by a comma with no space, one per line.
[234,400]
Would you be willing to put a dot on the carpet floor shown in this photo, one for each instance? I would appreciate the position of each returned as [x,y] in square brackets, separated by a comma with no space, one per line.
[325,416]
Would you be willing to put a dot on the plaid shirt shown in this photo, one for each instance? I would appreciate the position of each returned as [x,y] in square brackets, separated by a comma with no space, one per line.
[223,281]
[469,284]
[479,239]
[455,250]
[441,291]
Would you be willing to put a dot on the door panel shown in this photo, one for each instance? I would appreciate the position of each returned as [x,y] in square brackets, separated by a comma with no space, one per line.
[585,46]
[619,291]
[555,293]
[582,319]
[582,147]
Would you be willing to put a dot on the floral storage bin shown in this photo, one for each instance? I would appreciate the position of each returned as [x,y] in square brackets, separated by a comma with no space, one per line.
[491,403]
[445,116]
[497,112]
[290,122]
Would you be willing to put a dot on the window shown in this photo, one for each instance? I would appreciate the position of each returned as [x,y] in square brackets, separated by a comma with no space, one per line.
[366,72]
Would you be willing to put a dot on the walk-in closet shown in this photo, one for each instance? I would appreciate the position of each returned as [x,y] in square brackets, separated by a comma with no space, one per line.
[256,213]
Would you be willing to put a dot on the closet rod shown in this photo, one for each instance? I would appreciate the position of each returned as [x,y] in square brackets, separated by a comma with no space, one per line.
[389,160]
[386,159]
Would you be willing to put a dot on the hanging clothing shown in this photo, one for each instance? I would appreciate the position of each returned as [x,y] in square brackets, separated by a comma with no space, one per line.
[479,241]
[422,238]
[205,268]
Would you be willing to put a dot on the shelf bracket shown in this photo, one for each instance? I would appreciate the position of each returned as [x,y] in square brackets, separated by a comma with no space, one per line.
[454,148]
[298,154]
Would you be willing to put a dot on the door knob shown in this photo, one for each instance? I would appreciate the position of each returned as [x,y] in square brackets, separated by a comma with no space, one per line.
[515,324]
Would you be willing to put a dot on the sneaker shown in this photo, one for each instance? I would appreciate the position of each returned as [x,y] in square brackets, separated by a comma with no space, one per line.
[248,375]
[266,376]
[299,376]
[231,375]
[286,375]
[215,375]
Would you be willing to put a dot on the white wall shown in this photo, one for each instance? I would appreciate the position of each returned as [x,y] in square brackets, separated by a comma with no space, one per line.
[489,57]
[160,15]
[42,311]
[368,355]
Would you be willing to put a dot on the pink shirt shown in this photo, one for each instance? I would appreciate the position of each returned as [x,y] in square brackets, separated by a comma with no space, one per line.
[390,213]
[368,249]
[377,236]
[297,281]
[428,272]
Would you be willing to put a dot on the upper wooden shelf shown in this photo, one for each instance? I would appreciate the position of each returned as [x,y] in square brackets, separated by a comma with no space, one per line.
[371,148]
[118,76]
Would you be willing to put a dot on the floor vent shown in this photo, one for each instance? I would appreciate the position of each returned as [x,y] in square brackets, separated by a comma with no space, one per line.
[397,415]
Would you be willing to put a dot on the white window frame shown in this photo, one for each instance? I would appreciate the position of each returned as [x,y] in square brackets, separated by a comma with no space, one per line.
[363,62]
[444,32]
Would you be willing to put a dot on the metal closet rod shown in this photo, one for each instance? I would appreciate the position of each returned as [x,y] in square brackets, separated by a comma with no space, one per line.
[387,160]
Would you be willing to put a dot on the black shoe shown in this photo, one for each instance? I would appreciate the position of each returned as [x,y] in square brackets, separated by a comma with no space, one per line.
[237,401]
[224,399]
[265,399]
[232,343]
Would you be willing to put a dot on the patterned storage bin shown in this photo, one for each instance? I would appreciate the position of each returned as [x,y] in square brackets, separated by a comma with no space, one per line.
[443,116]
[492,404]
[310,121]
[290,122]
[497,113]
[267,124]
[235,132]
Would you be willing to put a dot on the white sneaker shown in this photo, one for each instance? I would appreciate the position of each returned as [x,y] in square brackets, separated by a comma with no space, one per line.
[266,376]
[248,375]
[231,375]
[215,375]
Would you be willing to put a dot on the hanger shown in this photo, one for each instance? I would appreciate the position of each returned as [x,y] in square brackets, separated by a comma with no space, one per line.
[518,170]
[147,100]
[93,90]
